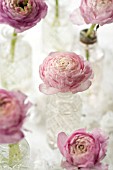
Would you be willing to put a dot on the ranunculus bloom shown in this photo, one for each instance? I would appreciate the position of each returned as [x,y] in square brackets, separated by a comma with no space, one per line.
[22,14]
[82,149]
[93,12]
[65,72]
[13,110]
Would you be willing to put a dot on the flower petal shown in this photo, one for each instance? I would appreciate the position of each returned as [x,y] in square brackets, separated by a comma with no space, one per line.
[76,17]
[103,141]
[67,166]
[47,89]
[11,138]
[82,87]
[61,140]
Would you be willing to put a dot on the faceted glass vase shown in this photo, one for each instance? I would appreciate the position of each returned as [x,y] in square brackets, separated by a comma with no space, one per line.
[63,115]
[96,57]
[89,49]
[58,32]
[9,159]
[16,70]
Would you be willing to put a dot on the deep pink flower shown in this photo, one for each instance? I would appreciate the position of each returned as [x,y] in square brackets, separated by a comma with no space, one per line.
[82,149]
[93,12]
[22,14]
[65,72]
[13,110]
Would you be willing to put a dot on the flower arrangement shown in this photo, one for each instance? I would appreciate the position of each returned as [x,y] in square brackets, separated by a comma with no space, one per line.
[61,72]
[83,150]
[65,72]
[13,112]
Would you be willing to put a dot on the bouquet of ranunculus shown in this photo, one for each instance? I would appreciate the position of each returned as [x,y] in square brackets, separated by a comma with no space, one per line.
[13,112]
[83,150]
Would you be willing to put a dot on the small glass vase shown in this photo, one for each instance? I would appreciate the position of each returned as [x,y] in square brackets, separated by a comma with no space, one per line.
[15,62]
[63,115]
[15,156]
[90,50]
[58,32]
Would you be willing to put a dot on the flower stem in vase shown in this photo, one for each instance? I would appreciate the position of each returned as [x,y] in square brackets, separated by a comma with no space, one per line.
[56,19]
[88,35]
[90,30]
[14,154]
[87,53]
[13,43]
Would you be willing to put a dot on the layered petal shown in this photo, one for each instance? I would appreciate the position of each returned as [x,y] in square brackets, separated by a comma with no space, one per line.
[61,140]
[11,138]
[13,111]
[22,14]
[65,72]
[93,12]
[83,150]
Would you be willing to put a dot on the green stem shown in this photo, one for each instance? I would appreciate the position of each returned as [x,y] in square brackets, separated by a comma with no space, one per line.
[87,54]
[56,18]
[13,43]
[14,154]
[89,32]
[57,9]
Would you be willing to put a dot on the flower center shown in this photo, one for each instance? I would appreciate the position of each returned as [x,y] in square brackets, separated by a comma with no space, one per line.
[103,2]
[22,7]
[81,147]
[2,107]
[100,4]
[6,106]
[22,3]
[62,64]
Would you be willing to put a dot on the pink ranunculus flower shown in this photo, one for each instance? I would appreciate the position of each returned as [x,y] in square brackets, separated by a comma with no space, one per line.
[83,150]
[13,111]
[65,72]
[22,14]
[93,12]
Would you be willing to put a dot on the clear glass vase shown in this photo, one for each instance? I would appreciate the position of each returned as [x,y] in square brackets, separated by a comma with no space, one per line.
[63,115]
[15,156]
[15,62]
[58,33]
[90,50]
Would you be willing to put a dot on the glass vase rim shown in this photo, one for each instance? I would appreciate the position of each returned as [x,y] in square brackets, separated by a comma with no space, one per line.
[88,40]
[8,34]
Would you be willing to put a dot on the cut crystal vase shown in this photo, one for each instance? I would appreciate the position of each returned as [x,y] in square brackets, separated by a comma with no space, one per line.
[63,115]
[58,32]
[15,62]
[15,156]
[89,49]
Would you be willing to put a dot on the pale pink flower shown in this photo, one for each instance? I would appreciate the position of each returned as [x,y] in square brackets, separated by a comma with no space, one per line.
[93,12]
[13,111]
[83,150]
[65,72]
